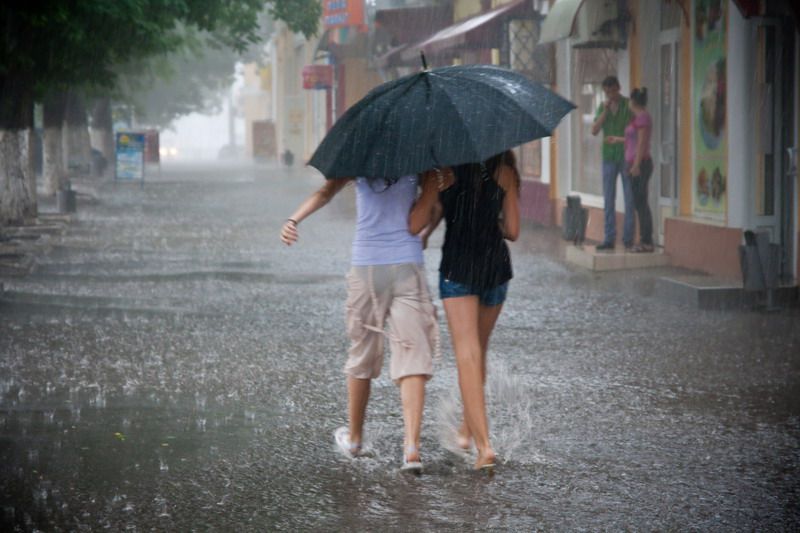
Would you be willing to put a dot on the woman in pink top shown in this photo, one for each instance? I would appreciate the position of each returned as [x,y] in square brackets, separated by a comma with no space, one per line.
[639,165]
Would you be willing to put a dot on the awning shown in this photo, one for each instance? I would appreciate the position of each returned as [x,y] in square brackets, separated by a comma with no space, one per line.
[391,58]
[411,24]
[560,21]
[396,29]
[480,31]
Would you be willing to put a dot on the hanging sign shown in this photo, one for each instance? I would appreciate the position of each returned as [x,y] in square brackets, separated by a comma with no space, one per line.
[317,77]
[341,13]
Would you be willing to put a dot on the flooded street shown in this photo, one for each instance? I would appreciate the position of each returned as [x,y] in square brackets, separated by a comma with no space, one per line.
[170,365]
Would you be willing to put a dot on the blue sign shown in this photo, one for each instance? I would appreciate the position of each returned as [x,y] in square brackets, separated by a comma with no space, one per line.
[130,155]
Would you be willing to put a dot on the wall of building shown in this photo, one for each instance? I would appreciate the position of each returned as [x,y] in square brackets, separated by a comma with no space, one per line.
[741,133]
[360,79]
[255,102]
[299,114]
[797,151]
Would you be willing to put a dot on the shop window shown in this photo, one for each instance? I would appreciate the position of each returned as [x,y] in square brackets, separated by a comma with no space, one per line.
[671,13]
[536,63]
[590,66]
[766,81]
[526,56]
[529,158]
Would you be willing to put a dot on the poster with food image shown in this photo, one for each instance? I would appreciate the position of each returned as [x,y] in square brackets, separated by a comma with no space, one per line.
[709,107]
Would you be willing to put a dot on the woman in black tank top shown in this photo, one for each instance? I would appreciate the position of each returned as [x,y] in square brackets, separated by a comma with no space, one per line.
[480,204]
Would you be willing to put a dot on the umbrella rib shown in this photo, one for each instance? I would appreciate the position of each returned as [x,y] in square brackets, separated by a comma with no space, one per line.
[547,128]
[443,117]
[372,139]
[458,112]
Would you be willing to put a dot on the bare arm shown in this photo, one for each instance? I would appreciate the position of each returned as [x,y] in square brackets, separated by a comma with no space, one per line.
[597,125]
[427,205]
[311,204]
[507,179]
[642,138]
[436,218]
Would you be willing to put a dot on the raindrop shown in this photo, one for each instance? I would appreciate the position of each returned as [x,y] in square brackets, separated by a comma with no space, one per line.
[162,463]
[200,401]
[162,504]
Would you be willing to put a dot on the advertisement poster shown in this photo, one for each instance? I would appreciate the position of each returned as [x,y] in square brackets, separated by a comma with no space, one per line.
[342,13]
[709,108]
[130,156]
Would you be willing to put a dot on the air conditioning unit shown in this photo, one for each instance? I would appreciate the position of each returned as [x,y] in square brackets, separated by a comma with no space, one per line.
[601,24]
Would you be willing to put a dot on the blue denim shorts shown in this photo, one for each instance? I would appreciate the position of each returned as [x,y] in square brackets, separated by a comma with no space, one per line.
[453,289]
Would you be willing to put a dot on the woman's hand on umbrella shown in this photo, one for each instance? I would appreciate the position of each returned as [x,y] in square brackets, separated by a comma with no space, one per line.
[289,232]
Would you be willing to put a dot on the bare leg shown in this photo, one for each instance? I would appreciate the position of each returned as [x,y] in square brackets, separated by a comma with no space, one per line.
[412,395]
[357,398]
[462,318]
[487,318]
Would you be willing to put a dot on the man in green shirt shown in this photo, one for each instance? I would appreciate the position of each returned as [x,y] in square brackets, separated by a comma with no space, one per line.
[612,117]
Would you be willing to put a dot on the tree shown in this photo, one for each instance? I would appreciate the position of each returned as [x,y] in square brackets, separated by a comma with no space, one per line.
[51,46]
[192,78]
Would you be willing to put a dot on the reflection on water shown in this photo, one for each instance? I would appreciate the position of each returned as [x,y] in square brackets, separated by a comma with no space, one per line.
[171,367]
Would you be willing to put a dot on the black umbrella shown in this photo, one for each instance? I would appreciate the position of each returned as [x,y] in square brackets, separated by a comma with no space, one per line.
[440,117]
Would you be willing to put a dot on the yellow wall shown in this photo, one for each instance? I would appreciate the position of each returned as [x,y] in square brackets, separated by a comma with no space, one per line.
[635,40]
[359,80]
[465,8]
[685,142]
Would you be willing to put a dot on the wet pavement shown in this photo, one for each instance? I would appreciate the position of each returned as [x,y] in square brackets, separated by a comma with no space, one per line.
[171,366]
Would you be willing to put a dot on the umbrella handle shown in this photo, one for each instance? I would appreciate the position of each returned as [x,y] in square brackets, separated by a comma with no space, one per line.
[424,62]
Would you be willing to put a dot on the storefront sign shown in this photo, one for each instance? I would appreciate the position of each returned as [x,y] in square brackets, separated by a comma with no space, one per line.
[709,107]
[317,77]
[130,155]
[341,13]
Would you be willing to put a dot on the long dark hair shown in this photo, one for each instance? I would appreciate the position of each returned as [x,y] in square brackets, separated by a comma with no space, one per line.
[639,96]
[506,158]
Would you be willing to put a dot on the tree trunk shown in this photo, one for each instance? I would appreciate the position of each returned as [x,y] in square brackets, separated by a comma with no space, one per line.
[78,148]
[17,178]
[102,131]
[53,173]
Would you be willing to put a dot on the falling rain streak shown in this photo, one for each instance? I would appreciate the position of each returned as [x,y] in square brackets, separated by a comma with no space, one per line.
[143,400]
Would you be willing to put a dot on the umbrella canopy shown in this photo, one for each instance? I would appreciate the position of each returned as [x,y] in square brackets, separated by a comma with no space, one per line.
[440,117]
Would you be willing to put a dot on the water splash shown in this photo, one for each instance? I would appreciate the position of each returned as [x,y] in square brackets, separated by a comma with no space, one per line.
[510,410]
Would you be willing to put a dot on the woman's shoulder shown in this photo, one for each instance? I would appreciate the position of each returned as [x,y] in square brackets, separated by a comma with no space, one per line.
[506,177]
[644,119]
[443,177]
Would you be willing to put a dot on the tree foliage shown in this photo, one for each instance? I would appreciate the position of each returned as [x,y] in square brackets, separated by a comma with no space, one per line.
[190,79]
[57,43]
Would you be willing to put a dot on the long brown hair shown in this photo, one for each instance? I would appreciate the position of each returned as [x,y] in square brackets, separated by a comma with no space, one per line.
[506,158]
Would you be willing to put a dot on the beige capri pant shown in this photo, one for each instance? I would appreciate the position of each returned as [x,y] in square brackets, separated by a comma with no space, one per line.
[396,295]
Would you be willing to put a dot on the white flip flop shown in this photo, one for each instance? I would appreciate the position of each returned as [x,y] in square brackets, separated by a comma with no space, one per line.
[342,438]
[414,467]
